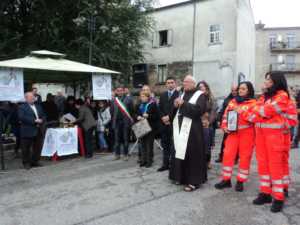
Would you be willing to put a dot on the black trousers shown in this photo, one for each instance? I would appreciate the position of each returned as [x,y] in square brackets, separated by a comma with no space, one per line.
[88,140]
[167,145]
[121,137]
[147,148]
[31,148]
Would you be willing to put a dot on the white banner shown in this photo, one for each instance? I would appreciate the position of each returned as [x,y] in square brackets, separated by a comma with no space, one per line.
[11,84]
[63,141]
[67,141]
[101,87]
[49,146]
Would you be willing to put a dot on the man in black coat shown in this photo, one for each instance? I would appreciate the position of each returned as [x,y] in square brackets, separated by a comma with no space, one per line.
[31,117]
[166,106]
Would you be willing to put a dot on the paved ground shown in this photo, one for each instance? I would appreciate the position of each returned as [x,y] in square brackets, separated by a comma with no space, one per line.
[101,191]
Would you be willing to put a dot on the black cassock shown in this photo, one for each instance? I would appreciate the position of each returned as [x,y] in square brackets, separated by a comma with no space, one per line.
[193,169]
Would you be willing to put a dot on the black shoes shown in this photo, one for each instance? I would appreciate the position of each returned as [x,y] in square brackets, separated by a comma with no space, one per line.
[223,184]
[239,187]
[37,164]
[277,206]
[262,199]
[27,166]
[163,168]
[148,165]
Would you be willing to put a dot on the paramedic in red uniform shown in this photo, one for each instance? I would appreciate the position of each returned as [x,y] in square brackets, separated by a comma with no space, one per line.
[292,121]
[270,124]
[239,142]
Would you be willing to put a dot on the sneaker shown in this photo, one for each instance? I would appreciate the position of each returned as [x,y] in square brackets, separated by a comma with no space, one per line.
[126,158]
[277,206]
[262,199]
[239,187]
[223,184]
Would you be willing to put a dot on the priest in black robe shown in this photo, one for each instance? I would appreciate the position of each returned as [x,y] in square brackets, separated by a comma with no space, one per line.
[192,170]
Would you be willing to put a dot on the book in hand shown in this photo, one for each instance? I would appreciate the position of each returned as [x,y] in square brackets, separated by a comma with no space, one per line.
[232,121]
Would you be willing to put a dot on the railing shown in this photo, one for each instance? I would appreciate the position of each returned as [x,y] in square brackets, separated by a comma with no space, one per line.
[287,67]
[292,45]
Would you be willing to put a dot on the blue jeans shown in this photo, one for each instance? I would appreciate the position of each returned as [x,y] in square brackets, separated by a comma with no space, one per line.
[102,141]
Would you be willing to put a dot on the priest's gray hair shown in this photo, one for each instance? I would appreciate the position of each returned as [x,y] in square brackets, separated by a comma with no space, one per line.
[191,78]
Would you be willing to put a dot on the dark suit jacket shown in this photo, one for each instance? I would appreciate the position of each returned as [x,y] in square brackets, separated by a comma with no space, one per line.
[38,99]
[166,105]
[27,117]
[127,101]
[86,118]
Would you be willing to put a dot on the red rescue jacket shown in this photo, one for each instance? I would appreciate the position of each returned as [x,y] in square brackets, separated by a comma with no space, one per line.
[271,113]
[242,109]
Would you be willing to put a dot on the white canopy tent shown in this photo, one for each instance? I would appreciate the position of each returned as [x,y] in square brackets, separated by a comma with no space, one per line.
[43,66]
[46,60]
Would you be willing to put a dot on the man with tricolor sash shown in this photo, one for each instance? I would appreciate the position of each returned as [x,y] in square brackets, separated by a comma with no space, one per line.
[189,166]
[122,109]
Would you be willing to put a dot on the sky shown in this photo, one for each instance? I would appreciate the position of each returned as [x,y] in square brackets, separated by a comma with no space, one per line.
[273,13]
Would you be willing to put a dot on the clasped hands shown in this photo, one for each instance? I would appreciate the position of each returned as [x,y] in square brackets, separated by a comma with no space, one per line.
[38,121]
[145,116]
[178,102]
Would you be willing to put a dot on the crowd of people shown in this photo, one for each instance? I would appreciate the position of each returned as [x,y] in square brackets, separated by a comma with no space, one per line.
[185,119]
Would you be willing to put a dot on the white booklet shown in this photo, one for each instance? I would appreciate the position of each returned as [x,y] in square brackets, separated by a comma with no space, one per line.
[68,118]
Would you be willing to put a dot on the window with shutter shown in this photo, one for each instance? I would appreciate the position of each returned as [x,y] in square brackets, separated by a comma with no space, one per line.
[170,37]
[163,38]
[215,34]
[162,73]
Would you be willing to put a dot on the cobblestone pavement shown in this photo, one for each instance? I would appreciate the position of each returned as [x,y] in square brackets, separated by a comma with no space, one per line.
[105,192]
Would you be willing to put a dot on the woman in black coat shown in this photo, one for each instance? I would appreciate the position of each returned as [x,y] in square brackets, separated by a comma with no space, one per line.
[148,109]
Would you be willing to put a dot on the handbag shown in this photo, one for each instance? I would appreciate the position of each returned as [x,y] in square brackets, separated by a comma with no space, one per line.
[141,128]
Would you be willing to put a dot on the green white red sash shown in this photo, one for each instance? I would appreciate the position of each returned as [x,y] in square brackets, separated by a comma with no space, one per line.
[123,108]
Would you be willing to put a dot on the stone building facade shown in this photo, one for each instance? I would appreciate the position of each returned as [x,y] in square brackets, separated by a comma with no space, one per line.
[207,38]
[278,48]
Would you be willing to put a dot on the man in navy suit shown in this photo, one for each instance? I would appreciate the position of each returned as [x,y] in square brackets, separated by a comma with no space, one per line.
[166,107]
[31,117]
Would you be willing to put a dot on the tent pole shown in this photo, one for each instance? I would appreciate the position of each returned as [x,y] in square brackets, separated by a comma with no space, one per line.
[74,89]
[1,143]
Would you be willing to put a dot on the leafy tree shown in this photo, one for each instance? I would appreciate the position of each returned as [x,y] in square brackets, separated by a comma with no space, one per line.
[120,27]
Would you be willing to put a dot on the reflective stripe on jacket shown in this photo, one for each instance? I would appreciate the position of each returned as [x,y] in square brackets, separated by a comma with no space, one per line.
[271,113]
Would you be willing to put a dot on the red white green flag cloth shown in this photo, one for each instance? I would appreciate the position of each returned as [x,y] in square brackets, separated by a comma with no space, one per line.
[123,108]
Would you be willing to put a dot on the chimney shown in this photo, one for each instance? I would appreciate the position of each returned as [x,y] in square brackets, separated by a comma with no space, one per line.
[260,26]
